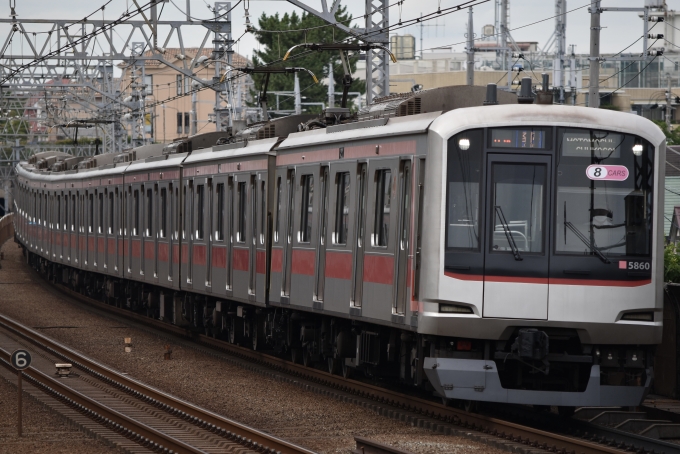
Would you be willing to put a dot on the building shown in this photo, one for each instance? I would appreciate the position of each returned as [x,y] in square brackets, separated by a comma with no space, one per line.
[169,94]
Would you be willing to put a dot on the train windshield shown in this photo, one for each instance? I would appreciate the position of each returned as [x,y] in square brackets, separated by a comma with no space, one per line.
[604,194]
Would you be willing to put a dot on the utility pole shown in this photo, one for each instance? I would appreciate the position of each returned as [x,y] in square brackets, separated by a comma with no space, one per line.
[669,98]
[594,83]
[470,50]
[507,56]
[194,113]
[572,78]
[331,86]
[561,39]
[298,98]
[376,31]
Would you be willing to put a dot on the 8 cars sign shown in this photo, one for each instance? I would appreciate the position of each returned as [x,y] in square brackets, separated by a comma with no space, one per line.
[607,172]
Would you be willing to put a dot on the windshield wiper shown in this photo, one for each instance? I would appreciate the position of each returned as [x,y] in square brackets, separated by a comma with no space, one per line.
[508,233]
[586,241]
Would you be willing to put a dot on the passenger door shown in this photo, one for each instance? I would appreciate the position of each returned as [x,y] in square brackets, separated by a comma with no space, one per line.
[516,254]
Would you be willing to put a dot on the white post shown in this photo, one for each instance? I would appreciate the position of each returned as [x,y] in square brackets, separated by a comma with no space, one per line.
[331,86]
[594,82]
[470,50]
[298,99]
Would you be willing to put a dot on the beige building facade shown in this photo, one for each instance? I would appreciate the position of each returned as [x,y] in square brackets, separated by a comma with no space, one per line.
[169,94]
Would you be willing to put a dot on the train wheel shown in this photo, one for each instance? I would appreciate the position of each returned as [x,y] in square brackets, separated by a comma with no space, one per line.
[295,355]
[332,365]
[470,406]
[253,335]
[306,357]
[346,370]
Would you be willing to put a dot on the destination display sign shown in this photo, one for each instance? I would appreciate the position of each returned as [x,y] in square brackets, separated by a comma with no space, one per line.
[518,138]
[596,144]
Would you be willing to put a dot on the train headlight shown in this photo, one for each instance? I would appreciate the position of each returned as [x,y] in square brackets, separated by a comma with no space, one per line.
[464,144]
[637,149]
[454,309]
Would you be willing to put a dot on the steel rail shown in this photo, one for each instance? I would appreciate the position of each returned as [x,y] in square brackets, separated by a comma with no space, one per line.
[493,426]
[101,412]
[366,446]
[248,434]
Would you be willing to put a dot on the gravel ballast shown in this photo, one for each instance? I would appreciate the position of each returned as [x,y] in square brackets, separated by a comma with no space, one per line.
[320,423]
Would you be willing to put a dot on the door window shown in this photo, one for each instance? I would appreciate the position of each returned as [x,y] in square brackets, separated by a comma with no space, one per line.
[383,202]
[517,209]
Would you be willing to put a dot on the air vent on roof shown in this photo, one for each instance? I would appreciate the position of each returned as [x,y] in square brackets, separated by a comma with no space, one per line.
[267,132]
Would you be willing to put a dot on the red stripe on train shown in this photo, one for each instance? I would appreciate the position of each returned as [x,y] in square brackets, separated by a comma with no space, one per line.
[240,259]
[219,257]
[149,250]
[379,269]
[200,252]
[163,252]
[136,248]
[261,262]
[303,262]
[339,265]
[277,260]
[553,281]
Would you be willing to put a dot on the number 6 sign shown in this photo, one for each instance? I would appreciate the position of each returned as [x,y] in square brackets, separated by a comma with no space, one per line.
[21,359]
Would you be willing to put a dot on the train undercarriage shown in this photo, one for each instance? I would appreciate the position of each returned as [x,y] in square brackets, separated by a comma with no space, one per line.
[530,360]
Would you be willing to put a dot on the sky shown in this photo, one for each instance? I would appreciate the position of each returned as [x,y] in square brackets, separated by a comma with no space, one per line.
[619,28]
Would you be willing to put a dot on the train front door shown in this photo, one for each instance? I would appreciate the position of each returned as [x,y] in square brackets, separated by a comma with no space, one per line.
[517,231]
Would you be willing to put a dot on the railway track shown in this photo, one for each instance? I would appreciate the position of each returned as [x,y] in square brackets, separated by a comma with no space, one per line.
[418,411]
[153,420]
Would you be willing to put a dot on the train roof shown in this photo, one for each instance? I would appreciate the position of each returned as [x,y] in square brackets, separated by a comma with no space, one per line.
[233,150]
[537,114]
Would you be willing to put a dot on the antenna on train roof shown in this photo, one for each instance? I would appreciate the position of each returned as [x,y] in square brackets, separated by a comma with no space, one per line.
[267,71]
[342,47]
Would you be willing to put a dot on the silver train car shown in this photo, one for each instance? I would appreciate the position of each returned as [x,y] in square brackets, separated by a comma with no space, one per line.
[503,253]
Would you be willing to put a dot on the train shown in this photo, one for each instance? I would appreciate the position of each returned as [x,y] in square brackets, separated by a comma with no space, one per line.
[476,244]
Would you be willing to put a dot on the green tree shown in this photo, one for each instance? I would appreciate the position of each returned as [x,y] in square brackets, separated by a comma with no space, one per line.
[671,262]
[275,45]
[672,135]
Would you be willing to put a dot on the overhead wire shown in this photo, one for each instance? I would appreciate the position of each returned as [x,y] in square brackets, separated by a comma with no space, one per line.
[72,44]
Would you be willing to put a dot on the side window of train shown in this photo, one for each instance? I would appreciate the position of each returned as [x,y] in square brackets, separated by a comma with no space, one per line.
[112,212]
[164,213]
[175,212]
[263,212]
[149,212]
[219,230]
[100,227]
[342,183]
[200,193]
[91,217]
[278,210]
[73,213]
[381,227]
[185,214]
[306,205]
[135,215]
[241,219]
[58,211]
